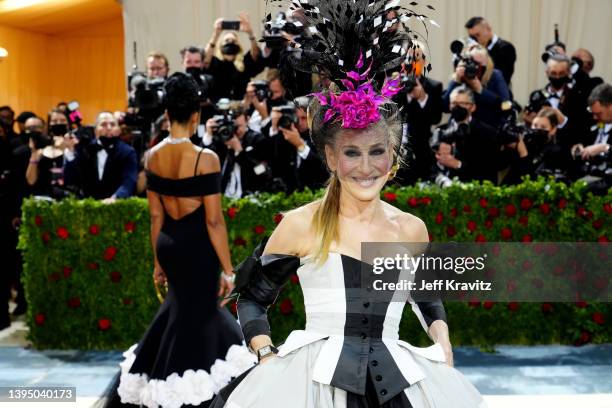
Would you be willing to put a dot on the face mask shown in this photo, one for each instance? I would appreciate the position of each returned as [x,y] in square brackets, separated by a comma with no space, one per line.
[194,72]
[558,83]
[230,49]
[459,114]
[58,130]
[107,142]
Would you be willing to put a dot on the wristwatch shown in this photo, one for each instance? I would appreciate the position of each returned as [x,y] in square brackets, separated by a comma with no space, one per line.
[230,278]
[266,351]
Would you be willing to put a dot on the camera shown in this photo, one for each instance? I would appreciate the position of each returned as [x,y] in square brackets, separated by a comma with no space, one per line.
[289,116]
[453,133]
[40,141]
[262,89]
[148,94]
[274,31]
[537,101]
[225,127]
[408,82]
[472,68]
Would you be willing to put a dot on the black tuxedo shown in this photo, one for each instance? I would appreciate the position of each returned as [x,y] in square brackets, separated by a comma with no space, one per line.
[417,123]
[254,173]
[119,176]
[503,54]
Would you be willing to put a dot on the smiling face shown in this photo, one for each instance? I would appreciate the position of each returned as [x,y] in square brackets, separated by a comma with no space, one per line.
[362,161]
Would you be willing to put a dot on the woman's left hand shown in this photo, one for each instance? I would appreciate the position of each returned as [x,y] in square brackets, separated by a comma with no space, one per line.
[225,288]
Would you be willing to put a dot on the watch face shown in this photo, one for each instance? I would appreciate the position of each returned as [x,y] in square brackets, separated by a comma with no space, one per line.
[264,350]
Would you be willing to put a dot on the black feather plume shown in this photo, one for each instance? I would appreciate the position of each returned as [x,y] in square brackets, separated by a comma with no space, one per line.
[337,32]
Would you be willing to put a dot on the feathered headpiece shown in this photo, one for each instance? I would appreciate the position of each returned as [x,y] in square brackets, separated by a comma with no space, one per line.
[340,38]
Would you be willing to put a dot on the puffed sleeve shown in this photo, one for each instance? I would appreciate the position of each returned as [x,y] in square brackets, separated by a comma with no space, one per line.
[259,281]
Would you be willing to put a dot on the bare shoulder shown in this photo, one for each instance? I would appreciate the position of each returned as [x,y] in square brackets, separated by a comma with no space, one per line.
[412,228]
[293,235]
[209,161]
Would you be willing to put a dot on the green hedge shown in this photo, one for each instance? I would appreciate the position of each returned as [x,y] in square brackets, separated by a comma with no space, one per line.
[88,266]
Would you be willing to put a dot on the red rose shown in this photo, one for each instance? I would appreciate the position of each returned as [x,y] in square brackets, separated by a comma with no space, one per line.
[453,212]
[127,301]
[562,204]
[607,208]
[239,241]
[231,212]
[451,231]
[545,208]
[599,318]
[431,237]
[511,286]
[390,196]
[527,238]
[589,214]
[597,224]
[74,302]
[439,218]
[38,220]
[467,209]
[526,204]
[62,233]
[109,253]
[67,271]
[581,304]
[480,238]
[278,218]
[487,304]
[46,237]
[413,202]
[92,265]
[115,276]
[581,212]
[513,306]
[483,203]
[489,223]
[259,229]
[94,229]
[510,210]
[130,226]
[474,303]
[471,226]
[506,233]
[603,238]
[547,307]
[585,337]
[286,306]
[425,200]
[54,277]
[493,212]
[295,279]
[39,319]
[524,220]
[104,324]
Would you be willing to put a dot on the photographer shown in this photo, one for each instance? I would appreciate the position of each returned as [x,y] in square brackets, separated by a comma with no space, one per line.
[536,151]
[291,154]
[226,61]
[255,103]
[45,172]
[104,168]
[501,51]
[595,160]
[157,65]
[421,100]
[192,58]
[475,70]
[585,63]
[465,147]
[562,93]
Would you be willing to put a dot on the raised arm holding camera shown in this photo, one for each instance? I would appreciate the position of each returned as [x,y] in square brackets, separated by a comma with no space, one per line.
[475,69]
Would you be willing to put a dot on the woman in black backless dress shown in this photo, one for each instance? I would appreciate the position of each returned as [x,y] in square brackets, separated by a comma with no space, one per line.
[193,347]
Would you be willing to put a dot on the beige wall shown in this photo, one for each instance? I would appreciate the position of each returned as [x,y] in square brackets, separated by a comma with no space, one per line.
[167,26]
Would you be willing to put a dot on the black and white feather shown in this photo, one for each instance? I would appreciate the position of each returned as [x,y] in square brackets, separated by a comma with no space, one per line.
[336,32]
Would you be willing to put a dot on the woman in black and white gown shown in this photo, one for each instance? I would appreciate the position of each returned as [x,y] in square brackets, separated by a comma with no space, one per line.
[349,354]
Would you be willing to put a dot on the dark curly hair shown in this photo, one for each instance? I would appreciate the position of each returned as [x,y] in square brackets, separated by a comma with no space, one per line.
[182,97]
